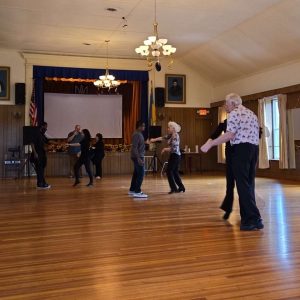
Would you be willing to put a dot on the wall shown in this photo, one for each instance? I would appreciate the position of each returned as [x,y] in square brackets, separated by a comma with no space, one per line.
[11,124]
[195,130]
[296,119]
[14,60]
[199,91]
[274,78]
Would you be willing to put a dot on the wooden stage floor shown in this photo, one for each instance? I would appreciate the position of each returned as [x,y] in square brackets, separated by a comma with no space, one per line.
[98,243]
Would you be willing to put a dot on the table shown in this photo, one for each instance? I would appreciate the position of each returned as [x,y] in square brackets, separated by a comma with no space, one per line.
[189,157]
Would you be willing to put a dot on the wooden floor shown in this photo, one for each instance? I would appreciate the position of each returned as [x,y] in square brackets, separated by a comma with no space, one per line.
[98,243]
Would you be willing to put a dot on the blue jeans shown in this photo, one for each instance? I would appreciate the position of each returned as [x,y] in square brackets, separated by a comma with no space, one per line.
[137,176]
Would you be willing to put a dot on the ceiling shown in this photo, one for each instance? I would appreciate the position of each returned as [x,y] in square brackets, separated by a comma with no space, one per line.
[221,39]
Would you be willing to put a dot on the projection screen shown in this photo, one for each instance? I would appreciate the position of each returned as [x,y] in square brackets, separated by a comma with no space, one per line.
[98,113]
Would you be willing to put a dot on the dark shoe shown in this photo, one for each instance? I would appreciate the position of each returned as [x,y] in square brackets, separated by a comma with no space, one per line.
[90,184]
[226,215]
[181,189]
[173,191]
[259,224]
[248,227]
[76,182]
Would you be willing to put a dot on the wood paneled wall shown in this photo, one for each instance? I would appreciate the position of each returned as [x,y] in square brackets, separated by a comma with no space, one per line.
[114,163]
[195,131]
[11,130]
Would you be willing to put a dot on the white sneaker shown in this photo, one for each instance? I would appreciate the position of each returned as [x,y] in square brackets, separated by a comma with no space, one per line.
[98,177]
[140,195]
[130,193]
[45,186]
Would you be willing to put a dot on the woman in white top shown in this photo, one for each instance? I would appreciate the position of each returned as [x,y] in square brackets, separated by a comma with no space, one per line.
[173,139]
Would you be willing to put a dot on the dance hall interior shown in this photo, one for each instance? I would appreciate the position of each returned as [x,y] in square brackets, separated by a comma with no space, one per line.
[150,150]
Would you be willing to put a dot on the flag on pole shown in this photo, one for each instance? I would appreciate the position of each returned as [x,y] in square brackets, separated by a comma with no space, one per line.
[32,108]
[152,108]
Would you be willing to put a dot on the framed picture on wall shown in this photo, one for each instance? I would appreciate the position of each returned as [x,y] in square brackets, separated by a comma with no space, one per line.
[4,83]
[175,88]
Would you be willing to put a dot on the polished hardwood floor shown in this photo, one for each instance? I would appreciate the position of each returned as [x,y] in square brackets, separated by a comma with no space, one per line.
[98,243]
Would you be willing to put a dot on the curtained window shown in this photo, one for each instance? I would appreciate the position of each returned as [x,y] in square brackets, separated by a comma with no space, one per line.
[272,122]
[222,115]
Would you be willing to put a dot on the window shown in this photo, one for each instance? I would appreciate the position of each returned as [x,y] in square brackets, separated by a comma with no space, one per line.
[272,122]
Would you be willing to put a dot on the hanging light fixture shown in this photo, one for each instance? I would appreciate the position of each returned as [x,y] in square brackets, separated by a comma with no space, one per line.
[155,47]
[106,81]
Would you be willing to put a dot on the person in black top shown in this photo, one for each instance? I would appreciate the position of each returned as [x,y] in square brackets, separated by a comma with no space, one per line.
[39,157]
[228,200]
[84,158]
[98,155]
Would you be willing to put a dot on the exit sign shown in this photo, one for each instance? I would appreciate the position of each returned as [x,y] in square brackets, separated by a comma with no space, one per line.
[203,112]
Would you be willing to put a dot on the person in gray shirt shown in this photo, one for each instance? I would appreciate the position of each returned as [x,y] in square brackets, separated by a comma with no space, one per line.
[137,156]
[74,137]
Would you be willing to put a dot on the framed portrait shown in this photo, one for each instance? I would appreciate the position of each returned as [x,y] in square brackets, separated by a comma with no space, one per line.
[175,88]
[4,83]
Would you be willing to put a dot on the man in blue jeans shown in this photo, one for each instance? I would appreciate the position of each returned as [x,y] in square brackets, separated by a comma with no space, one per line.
[137,156]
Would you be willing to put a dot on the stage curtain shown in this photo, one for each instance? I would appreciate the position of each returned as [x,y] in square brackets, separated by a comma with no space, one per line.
[131,111]
[142,77]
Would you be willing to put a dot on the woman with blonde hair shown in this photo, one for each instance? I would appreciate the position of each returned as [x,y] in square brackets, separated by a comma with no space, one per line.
[174,159]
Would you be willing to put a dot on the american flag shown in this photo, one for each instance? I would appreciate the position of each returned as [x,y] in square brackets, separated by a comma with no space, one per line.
[32,108]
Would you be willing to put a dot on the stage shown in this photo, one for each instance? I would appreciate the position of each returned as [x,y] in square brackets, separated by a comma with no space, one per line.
[99,243]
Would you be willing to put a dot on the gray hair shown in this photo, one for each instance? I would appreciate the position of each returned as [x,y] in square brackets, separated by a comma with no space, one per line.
[234,99]
[175,126]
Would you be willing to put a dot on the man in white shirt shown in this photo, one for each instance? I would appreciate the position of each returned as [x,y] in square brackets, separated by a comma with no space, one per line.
[243,134]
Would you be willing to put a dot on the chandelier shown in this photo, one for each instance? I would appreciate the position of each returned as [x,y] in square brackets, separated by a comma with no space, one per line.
[106,81]
[155,47]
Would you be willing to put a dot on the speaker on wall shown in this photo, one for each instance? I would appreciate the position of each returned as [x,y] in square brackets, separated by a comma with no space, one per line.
[160,97]
[29,134]
[154,131]
[20,93]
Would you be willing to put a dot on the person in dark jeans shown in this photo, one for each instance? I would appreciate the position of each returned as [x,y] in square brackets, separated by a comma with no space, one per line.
[98,155]
[39,157]
[137,157]
[173,139]
[74,137]
[227,203]
[229,196]
[243,134]
[84,158]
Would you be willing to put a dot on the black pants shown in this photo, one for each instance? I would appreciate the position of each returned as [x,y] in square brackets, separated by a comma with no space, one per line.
[39,166]
[137,177]
[87,163]
[244,160]
[173,172]
[98,166]
[228,200]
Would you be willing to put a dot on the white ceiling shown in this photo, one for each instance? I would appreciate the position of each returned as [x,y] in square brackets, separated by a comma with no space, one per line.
[222,39]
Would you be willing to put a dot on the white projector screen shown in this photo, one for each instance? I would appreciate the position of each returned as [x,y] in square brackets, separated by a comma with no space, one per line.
[98,113]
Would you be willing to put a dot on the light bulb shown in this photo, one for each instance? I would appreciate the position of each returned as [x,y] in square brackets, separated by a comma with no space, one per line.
[152,38]
[163,41]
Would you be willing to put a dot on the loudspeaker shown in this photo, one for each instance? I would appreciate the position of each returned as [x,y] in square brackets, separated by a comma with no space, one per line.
[160,97]
[29,134]
[20,93]
[154,131]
